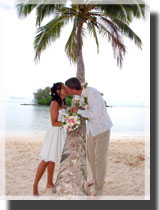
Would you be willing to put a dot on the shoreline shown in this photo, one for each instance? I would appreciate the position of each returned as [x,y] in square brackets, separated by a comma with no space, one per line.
[108,106]
[46,105]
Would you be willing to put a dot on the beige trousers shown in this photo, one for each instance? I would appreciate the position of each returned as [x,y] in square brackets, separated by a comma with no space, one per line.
[97,149]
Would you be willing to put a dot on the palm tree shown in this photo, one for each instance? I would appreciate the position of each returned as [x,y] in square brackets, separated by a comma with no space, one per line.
[107,20]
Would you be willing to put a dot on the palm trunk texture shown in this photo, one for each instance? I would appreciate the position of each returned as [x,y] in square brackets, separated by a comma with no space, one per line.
[72,175]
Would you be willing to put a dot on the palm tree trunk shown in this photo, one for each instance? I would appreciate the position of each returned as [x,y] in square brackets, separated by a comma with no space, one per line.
[80,64]
[72,175]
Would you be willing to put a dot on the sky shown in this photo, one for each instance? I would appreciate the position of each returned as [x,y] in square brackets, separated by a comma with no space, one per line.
[21,77]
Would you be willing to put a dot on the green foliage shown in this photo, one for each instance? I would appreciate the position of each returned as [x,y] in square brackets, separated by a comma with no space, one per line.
[45,101]
[68,100]
[42,96]
[108,20]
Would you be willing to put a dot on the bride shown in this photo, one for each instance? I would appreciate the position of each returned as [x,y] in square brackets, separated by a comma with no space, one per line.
[55,138]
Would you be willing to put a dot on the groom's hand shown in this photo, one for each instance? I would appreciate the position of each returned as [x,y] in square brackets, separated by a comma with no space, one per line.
[75,109]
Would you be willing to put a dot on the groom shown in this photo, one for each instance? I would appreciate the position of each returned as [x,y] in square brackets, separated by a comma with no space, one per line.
[98,130]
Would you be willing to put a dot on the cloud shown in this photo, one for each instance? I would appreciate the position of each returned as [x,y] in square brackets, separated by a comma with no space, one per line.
[7,4]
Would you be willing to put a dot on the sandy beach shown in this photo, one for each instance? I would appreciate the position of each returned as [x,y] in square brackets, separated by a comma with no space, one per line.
[128,162]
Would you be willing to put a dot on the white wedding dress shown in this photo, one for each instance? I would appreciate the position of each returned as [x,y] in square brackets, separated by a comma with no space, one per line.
[54,141]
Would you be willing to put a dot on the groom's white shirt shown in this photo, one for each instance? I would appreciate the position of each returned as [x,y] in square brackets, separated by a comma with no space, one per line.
[99,120]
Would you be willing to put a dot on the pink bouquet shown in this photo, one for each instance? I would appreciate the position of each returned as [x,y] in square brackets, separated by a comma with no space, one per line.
[71,121]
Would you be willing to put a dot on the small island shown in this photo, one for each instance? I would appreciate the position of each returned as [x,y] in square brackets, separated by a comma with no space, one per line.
[42,97]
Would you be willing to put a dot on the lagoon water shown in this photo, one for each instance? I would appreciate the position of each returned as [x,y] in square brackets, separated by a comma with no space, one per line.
[31,120]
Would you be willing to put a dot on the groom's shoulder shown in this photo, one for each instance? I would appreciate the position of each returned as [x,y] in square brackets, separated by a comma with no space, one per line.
[92,89]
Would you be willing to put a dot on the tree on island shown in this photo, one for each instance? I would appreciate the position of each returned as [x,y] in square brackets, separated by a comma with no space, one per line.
[43,97]
[107,20]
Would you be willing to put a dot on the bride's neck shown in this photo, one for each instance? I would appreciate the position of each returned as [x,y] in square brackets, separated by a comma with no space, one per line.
[62,97]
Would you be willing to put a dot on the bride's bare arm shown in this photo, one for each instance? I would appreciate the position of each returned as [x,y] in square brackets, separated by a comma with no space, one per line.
[54,110]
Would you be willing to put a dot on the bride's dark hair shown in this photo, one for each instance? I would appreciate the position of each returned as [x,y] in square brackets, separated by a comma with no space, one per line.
[54,94]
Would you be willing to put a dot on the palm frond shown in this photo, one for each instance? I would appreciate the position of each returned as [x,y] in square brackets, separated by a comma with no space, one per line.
[92,30]
[24,9]
[125,29]
[71,45]
[112,21]
[47,33]
[89,7]
[119,48]
[116,11]
[44,10]
[137,10]
[123,12]
[68,10]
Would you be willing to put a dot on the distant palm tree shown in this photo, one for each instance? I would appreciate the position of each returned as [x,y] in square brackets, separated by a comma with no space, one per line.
[110,21]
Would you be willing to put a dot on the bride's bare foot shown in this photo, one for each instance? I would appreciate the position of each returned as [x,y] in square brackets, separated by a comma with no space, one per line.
[35,190]
[50,185]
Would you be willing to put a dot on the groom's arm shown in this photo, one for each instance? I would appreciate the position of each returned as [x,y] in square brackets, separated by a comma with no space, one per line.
[94,110]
